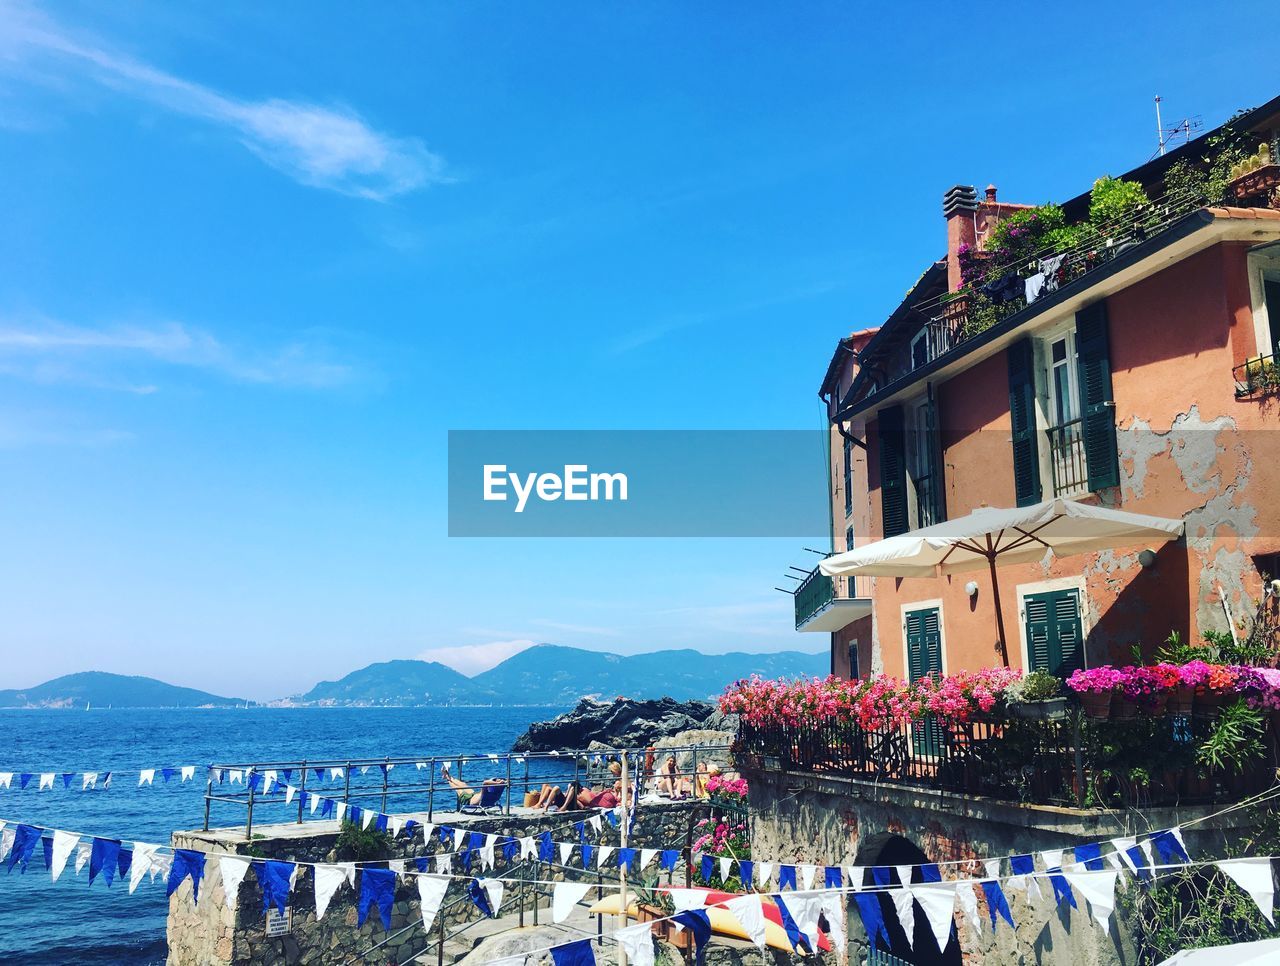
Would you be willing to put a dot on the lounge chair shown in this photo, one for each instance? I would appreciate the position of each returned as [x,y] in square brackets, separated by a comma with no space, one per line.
[490,801]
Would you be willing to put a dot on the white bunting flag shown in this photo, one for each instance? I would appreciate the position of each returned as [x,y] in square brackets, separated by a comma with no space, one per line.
[905,903]
[6,779]
[427,829]
[364,769]
[161,863]
[289,792]
[749,911]
[807,874]
[486,852]
[188,772]
[595,822]
[1254,877]
[235,776]
[327,880]
[444,863]
[529,848]
[1052,858]
[143,853]
[335,774]
[217,774]
[647,856]
[46,781]
[367,817]
[313,801]
[637,942]
[968,896]
[853,877]
[603,853]
[1099,890]
[836,911]
[566,849]
[458,836]
[146,777]
[431,890]
[938,900]
[805,910]
[395,826]
[724,869]
[493,889]
[564,896]
[686,899]
[63,843]
[232,868]
[341,809]
[1148,850]
[83,851]
[993,868]
[420,765]
[7,835]
[397,866]
[1121,858]
[764,873]
[88,780]
[269,780]
[1176,832]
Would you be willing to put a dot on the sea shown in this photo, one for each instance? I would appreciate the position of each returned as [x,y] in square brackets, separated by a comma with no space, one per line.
[69,921]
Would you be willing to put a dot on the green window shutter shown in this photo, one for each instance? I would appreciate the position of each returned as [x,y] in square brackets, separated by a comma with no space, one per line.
[893,471]
[933,426]
[1054,637]
[915,645]
[1097,405]
[1022,418]
[924,657]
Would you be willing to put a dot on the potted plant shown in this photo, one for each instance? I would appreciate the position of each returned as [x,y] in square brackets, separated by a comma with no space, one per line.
[1095,689]
[1037,697]
[1257,175]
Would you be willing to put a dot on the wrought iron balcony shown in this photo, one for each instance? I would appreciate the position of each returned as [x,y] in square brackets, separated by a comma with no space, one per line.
[1257,378]
[831,603]
[1067,458]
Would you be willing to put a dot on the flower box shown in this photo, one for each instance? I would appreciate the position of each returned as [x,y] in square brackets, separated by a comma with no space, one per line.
[1181,699]
[1096,704]
[1049,709]
[1261,181]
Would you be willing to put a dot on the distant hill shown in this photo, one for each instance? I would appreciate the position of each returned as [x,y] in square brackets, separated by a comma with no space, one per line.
[552,674]
[396,683]
[115,690]
[561,675]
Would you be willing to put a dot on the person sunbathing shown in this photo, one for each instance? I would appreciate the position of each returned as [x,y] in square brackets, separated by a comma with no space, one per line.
[549,799]
[576,796]
[665,781]
[466,794]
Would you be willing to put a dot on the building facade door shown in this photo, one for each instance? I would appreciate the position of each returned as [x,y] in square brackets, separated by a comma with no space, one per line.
[1054,635]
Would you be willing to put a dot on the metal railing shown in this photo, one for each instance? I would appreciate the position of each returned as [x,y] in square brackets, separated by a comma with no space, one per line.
[1257,377]
[1072,760]
[1067,459]
[818,591]
[926,500]
[411,785]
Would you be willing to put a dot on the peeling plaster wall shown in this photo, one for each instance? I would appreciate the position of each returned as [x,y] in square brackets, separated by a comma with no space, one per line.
[1188,448]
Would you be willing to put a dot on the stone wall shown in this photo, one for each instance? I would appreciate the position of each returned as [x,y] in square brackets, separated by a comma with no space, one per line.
[828,820]
[212,933]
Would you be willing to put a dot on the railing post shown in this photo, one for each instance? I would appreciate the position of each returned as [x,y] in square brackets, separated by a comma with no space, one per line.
[510,792]
[431,790]
[386,774]
[302,791]
[440,946]
[346,783]
[1079,758]
[248,821]
[208,796]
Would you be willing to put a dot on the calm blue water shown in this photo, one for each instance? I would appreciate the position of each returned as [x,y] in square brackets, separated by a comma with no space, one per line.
[46,922]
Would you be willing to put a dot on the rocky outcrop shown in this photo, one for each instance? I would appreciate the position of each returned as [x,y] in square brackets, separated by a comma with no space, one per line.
[623,723]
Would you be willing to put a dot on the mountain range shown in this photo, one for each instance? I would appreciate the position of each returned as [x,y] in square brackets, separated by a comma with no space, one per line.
[544,674]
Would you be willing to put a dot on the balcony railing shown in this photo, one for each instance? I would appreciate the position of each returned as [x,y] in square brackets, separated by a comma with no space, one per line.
[818,593]
[1257,378]
[1067,458]
[1072,761]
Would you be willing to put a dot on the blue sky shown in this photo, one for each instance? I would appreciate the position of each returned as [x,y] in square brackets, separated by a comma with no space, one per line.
[259,259]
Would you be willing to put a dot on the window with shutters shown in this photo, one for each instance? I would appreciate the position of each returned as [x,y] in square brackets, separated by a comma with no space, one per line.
[1264,285]
[1068,468]
[1054,632]
[923,632]
[848,476]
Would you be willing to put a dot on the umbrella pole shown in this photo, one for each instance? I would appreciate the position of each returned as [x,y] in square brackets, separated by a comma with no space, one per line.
[995,599]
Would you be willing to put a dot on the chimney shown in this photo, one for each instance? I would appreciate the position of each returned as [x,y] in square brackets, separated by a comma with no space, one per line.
[959,207]
[991,194]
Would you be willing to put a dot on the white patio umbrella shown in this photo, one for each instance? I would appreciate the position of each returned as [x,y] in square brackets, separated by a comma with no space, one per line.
[991,536]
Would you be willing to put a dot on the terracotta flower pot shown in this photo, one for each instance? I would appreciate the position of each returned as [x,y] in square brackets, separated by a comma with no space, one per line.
[1156,703]
[1123,708]
[1181,699]
[1097,705]
[1209,702]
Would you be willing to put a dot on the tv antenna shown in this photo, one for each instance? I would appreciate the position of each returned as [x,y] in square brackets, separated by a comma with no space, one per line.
[1166,136]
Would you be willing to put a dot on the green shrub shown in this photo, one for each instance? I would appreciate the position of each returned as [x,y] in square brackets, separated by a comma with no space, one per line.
[356,844]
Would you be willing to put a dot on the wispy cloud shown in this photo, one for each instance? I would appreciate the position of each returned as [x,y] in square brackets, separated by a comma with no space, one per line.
[110,358]
[590,629]
[473,658]
[325,147]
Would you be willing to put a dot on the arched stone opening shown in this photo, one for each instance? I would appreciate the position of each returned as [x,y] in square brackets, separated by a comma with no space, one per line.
[886,851]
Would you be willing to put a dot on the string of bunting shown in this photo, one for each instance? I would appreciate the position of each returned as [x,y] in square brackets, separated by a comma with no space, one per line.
[799,910]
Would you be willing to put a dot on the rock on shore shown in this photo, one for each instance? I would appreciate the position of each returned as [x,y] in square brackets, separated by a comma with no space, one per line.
[623,723]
